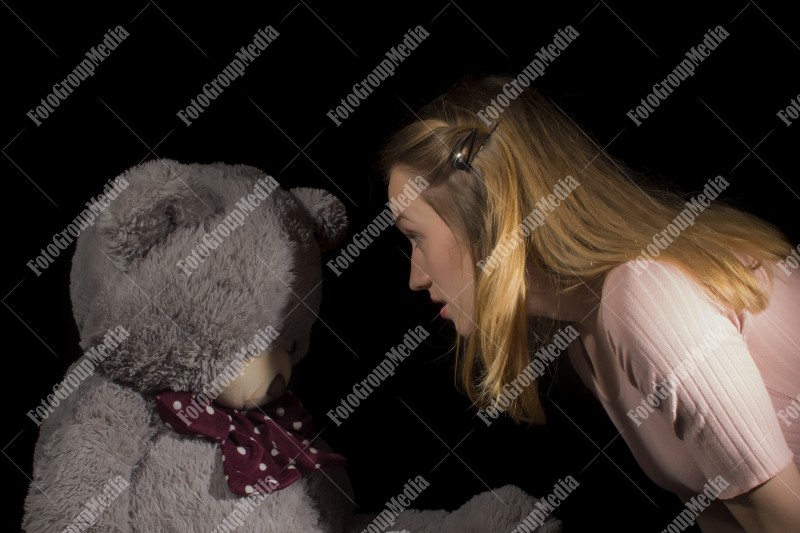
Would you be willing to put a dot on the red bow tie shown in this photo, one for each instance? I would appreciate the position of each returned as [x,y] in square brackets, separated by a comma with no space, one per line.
[262,451]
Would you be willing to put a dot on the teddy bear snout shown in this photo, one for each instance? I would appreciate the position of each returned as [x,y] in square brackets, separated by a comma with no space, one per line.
[263,380]
[277,387]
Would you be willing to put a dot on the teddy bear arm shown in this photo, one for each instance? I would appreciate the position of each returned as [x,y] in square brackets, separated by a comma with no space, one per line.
[492,511]
[85,458]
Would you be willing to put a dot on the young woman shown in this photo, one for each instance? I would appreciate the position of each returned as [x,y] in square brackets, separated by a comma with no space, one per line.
[688,328]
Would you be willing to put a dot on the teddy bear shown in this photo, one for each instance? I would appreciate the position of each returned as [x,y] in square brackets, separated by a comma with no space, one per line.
[194,292]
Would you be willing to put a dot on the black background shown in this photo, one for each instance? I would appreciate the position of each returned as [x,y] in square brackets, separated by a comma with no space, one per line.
[722,121]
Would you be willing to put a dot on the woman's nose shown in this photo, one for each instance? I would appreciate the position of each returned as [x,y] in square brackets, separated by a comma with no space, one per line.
[418,279]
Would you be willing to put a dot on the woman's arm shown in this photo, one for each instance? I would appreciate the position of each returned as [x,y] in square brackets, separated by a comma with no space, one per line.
[773,506]
[666,330]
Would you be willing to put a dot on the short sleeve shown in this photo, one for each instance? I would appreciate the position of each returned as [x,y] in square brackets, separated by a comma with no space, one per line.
[672,340]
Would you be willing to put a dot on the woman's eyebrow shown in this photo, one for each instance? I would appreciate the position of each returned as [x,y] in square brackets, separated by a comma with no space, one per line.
[400,217]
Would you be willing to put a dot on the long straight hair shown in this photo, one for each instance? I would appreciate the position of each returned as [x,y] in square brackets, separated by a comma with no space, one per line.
[607,220]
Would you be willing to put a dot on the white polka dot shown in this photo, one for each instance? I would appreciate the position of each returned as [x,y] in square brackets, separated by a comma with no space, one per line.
[232,427]
[279,411]
[209,410]
[274,452]
[223,458]
[297,425]
[262,467]
[267,418]
[305,442]
[241,450]
[257,431]
[274,445]
[230,419]
[251,438]
[316,466]
[312,450]
[248,489]
[291,467]
[176,405]
[226,477]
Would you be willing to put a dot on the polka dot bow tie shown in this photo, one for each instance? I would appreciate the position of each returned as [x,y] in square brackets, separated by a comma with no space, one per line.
[262,451]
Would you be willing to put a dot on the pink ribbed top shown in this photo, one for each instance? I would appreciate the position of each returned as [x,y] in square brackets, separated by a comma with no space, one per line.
[723,378]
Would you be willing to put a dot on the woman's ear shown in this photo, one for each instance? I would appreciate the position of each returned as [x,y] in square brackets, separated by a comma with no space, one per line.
[328,212]
[158,200]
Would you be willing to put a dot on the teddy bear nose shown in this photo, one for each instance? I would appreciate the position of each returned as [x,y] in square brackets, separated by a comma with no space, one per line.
[277,387]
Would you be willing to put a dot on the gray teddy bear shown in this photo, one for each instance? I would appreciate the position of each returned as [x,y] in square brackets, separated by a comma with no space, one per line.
[194,294]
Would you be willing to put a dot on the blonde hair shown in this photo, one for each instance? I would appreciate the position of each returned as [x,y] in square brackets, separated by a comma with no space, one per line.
[606,221]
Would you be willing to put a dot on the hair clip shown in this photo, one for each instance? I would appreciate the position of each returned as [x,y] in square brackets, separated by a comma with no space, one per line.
[464,157]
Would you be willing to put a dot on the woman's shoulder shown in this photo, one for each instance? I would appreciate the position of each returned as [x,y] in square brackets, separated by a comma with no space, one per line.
[641,285]
[654,315]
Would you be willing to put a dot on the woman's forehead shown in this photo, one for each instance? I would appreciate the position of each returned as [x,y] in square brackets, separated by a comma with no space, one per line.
[398,177]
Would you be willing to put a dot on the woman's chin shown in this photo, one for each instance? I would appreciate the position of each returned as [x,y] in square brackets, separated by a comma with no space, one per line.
[463,327]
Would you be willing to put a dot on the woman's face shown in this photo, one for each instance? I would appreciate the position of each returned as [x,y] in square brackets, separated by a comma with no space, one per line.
[439,263]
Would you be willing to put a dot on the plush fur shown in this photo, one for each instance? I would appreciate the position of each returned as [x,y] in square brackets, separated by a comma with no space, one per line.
[183,331]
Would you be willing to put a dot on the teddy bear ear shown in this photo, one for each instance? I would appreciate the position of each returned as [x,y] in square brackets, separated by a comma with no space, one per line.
[328,212]
[157,201]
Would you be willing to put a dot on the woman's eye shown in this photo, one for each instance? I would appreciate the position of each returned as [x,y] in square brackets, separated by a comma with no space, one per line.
[414,238]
